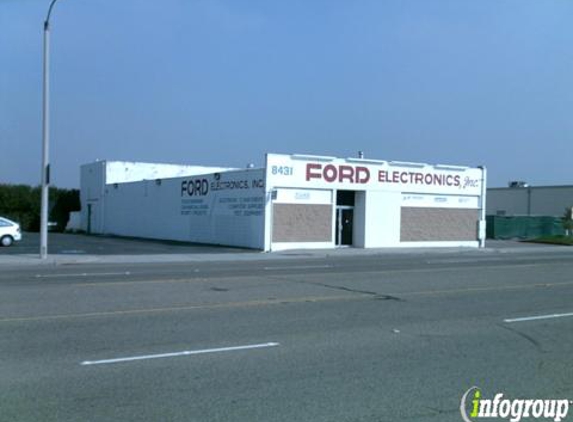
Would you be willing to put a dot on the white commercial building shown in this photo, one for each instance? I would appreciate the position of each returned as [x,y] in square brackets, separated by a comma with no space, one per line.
[295,201]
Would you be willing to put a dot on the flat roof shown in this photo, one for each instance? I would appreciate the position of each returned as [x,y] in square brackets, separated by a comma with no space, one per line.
[533,187]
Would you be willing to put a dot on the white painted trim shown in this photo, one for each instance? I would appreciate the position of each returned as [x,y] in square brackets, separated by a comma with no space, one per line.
[482,223]
[330,245]
[453,244]
[283,246]
[312,157]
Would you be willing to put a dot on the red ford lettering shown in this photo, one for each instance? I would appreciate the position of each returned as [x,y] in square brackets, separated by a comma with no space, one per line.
[337,173]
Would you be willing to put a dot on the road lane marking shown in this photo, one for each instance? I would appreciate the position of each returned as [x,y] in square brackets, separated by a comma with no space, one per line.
[135,282]
[278,301]
[178,354]
[298,267]
[228,305]
[463,260]
[81,275]
[483,289]
[538,317]
[457,269]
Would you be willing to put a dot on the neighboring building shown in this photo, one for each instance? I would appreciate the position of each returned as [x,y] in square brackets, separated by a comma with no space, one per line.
[524,200]
[295,201]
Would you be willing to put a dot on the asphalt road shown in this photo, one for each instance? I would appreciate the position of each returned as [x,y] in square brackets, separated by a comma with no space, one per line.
[358,338]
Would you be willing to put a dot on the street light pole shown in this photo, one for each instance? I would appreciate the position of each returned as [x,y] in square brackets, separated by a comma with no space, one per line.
[45,138]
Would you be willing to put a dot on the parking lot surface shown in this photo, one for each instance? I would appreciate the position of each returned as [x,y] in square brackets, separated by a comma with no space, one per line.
[81,244]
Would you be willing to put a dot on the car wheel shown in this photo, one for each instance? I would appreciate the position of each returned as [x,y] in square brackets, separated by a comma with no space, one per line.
[6,241]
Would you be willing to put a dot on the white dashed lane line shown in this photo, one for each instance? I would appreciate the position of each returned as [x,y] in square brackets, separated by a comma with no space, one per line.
[178,354]
[81,275]
[538,317]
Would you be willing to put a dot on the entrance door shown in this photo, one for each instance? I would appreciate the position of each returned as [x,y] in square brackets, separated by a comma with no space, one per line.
[344,222]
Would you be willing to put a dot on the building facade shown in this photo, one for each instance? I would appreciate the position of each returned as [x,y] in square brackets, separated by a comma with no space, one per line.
[550,201]
[294,201]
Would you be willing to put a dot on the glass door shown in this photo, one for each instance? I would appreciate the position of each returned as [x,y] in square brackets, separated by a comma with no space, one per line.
[344,223]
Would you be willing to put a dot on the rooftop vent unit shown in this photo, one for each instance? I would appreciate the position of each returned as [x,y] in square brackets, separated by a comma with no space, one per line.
[518,184]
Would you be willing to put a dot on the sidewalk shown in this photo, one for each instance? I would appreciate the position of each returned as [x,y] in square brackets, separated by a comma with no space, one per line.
[492,247]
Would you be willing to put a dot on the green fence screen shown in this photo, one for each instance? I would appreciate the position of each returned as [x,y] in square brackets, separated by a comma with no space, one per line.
[522,227]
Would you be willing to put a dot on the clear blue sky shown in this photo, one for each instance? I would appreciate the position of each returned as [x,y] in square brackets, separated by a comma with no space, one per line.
[222,82]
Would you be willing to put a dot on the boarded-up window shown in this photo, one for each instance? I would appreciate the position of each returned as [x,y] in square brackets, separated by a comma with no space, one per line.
[302,223]
[438,224]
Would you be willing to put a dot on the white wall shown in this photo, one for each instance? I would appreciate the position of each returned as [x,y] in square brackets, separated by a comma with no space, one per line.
[92,188]
[226,209]
[74,223]
[377,219]
[95,176]
[360,175]
[129,171]
[359,225]
[303,196]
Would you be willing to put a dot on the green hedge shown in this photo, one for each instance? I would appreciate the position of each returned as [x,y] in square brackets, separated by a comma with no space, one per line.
[21,203]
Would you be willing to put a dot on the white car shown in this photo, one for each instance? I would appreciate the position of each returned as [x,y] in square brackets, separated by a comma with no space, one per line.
[9,232]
